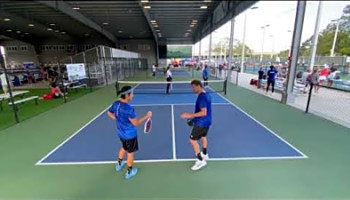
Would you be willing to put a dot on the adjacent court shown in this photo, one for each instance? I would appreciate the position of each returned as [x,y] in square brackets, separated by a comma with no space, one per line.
[234,135]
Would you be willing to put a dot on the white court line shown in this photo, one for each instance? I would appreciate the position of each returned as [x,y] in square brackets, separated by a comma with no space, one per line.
[70,137]
[279,137]
[173,131]
[173,160]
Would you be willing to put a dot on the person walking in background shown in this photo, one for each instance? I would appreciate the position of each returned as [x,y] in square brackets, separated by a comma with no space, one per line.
[169,78]
[205,75]
[324,74]
[313,80]
[260,77]
[304,77]
[271,79]
[154,68]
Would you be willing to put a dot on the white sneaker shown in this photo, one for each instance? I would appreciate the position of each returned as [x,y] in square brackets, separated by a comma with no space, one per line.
[199,164]
[205,157]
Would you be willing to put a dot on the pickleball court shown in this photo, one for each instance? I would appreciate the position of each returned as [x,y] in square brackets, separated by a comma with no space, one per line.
[234,135]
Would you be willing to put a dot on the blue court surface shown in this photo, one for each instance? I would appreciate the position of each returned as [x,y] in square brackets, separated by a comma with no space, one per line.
[234,135]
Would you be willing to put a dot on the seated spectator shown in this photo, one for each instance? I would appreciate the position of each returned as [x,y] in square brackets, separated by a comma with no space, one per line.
[54,94]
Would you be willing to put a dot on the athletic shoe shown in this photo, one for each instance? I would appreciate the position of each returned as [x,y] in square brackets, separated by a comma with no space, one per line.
[205,157]
[131,174]
[199,164]
[120,166]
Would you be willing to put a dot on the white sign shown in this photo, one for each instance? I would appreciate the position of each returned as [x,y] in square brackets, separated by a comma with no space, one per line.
[76,71]
[348,59]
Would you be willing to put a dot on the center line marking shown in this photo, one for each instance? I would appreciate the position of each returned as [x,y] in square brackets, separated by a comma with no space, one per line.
[173,131]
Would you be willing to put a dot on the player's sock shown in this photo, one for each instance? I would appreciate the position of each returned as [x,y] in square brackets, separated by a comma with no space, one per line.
[129,169]
[120,160]
[199,156]
[205,151]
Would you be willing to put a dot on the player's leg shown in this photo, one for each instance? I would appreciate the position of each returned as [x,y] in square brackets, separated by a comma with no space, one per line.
[121,163]
[268,85]
[196,135]
[132,146]
[273,86]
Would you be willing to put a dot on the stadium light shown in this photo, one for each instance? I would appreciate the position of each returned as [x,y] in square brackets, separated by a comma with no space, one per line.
[203,7]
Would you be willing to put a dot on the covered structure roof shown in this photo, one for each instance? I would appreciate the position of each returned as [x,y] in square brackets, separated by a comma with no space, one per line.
[167,22]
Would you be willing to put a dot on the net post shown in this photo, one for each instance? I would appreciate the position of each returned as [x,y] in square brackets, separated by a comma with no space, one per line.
[116,87]
[225,87]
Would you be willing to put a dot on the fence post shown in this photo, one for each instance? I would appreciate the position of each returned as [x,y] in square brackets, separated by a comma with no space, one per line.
[88,70]
[65,89]
[309,98]
[3,63]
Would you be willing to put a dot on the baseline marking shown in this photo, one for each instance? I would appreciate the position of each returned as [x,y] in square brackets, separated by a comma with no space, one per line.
[173,160]
[261,124]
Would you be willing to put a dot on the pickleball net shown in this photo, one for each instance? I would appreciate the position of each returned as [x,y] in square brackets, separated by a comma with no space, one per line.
[176,87]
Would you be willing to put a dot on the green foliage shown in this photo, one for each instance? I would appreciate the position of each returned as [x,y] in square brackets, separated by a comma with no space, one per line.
[179,51]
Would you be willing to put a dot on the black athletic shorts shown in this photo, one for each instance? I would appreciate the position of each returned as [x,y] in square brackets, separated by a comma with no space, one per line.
[130,145]
[198,132]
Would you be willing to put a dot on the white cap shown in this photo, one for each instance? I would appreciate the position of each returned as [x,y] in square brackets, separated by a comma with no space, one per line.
[326,66]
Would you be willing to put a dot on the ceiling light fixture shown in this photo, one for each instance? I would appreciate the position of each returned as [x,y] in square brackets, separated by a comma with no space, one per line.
[158,30]
[52,24]
[105,23]
[57,31]
[49,29]
[155,26]
[147,7]
[144,1]
[153,21]
[9,30]
[76,8]
[203,7]
[26,33]
[30,25]
[7,19]
[18,32]
[192,25]
[120,31]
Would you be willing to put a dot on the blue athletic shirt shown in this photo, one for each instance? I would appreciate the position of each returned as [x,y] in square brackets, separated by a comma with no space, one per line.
[203,101]
[272,74]
[123,112]
[205,73]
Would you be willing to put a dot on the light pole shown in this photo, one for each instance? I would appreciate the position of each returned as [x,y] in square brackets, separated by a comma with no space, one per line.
[243,40]
[315,37]
[263,41]
[289,31]
[273,45]
[337,21]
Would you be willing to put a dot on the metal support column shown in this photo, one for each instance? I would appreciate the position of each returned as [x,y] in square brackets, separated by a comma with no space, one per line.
[230,49]
[243,41]
[287,95]
[315,37]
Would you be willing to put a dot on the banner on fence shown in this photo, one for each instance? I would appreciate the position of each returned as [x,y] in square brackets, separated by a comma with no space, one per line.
[76,71]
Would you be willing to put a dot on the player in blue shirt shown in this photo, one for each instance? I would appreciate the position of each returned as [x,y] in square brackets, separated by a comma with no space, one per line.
[126,121]
[201,121]
[205,75]
[271,78]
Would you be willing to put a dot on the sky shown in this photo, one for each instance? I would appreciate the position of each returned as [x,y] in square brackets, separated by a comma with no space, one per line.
[280,15]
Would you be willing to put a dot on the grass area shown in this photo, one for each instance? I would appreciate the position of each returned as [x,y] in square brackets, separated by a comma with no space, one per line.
[29,109]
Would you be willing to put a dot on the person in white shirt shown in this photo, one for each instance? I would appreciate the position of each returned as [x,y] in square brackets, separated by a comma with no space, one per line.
[169,78]
[154,68]
[4,83]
